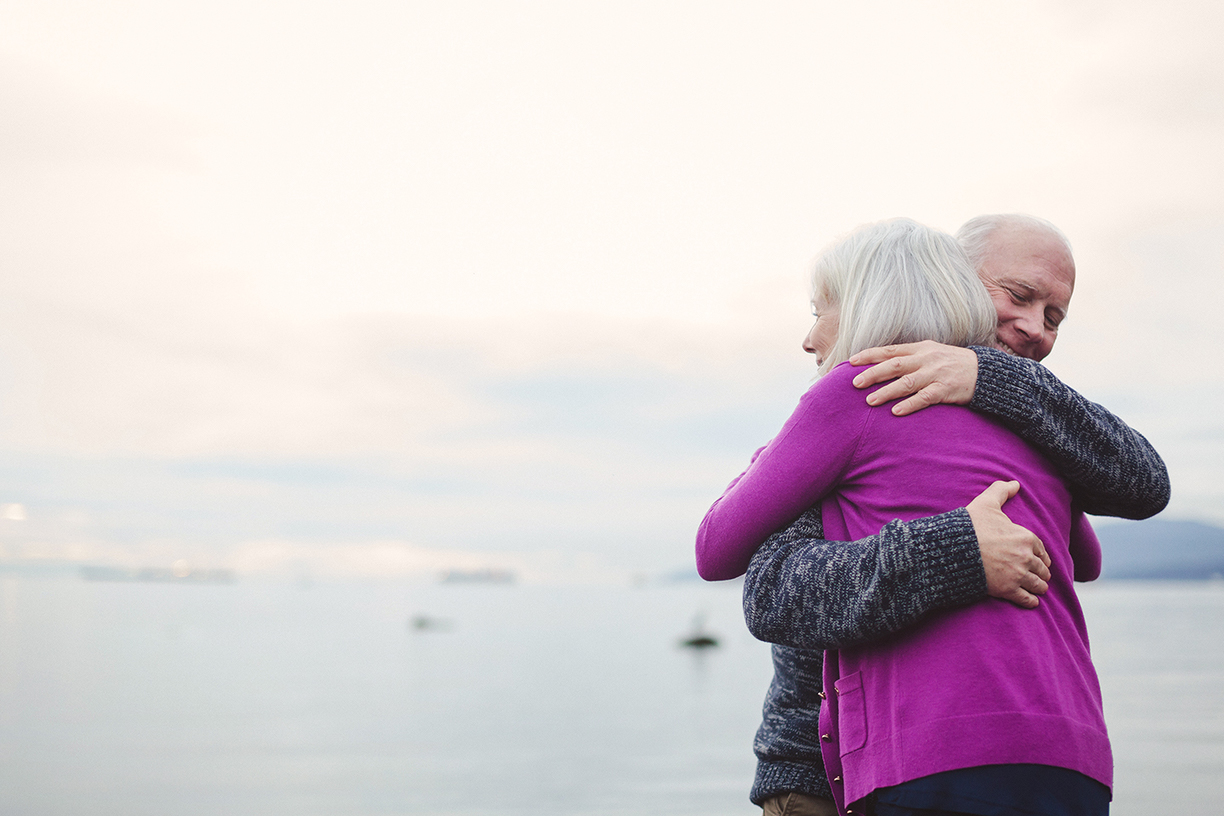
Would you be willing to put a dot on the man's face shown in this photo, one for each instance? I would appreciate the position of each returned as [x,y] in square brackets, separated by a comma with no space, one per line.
[1030,276]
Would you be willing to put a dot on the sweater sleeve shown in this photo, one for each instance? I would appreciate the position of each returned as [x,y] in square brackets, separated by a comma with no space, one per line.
[787,744]
[803,462]
[805,592]
[1111,469]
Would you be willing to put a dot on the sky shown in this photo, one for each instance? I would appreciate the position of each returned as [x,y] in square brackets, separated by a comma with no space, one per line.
[384,288]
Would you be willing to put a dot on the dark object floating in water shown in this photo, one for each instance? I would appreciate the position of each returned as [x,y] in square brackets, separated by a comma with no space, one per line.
[488,575]
[699,639]
[700,642]
[424,623]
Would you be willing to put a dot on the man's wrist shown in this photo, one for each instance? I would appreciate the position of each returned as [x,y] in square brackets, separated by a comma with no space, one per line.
[1004,385]
[943,554]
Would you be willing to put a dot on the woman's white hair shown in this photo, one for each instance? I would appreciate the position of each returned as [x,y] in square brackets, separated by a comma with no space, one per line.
[900,282]
[975,234]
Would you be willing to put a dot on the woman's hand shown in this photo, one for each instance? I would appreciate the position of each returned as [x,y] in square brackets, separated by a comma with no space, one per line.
[928,373]
[1017,564]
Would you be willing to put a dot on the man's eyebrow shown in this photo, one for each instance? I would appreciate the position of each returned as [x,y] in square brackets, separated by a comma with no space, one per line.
[1025,288]
[1029,290]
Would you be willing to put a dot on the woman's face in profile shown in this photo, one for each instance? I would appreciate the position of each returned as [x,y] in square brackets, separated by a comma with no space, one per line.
[823,335]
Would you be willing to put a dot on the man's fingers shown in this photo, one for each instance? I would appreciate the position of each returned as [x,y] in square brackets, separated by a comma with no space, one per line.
[1015,560]
[1009,488]
[1041,569]
[1022,598]
[903,386]
[1040,550]
[998,493]
[923,399]
[881,353]
[1034,584]
[884,371]
[950,370]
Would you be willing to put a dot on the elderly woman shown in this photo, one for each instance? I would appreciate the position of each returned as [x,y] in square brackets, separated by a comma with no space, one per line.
[972,701]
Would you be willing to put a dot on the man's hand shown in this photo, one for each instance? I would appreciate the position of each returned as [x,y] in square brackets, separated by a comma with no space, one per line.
[1016,562]
[931,372]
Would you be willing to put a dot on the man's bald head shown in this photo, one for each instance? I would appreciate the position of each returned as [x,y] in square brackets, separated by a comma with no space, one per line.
[1027,267]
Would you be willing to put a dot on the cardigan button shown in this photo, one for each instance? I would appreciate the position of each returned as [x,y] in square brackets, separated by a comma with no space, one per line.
[837,779]
[825,737]
[822,695]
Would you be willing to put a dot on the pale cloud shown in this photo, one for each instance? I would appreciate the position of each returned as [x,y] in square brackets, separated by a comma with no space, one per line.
[498,278]
[51,119]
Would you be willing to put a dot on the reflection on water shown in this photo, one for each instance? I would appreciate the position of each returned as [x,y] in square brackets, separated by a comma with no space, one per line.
[384,698]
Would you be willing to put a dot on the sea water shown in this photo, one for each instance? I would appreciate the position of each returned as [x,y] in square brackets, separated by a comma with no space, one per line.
[376,698]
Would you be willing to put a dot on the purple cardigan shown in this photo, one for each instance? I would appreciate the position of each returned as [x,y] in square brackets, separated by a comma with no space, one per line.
[986,684]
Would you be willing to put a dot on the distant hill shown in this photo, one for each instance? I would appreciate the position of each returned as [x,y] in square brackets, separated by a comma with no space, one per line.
[1156,549]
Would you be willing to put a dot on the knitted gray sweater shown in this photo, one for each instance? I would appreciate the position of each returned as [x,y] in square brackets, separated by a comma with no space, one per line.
[804,594]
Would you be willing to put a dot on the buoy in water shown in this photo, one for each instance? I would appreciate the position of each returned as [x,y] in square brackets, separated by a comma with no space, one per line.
[699,639]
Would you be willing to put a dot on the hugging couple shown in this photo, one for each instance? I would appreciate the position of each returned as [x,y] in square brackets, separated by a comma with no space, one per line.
[911,536]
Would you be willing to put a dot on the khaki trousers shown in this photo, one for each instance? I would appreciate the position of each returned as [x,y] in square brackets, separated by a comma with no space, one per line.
[798,804]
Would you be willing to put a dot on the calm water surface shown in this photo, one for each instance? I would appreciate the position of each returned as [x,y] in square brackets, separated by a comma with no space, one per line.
[269,698]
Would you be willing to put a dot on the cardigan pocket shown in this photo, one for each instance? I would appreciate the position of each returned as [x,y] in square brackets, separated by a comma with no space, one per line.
[851,713]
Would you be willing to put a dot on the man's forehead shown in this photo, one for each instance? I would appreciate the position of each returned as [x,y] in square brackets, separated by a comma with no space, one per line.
[1031,257]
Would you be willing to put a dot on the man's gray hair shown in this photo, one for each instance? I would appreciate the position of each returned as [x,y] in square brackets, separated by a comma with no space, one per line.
[975,234]
[900,282]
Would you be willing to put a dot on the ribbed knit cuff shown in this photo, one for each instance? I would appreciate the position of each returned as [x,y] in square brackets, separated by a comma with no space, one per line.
[775,778]
[1004,386]
[943,551]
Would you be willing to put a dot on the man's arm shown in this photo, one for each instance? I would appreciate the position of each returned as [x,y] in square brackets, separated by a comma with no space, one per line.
[806,592]
[809,593]
[1111,469]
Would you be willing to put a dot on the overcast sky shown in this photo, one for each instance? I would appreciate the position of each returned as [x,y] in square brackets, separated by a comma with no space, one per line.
[451,282]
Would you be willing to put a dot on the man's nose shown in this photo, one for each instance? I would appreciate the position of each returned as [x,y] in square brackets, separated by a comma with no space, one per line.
[1031,324]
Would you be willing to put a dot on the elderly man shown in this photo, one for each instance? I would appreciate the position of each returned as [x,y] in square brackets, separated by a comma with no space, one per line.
[805,594]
